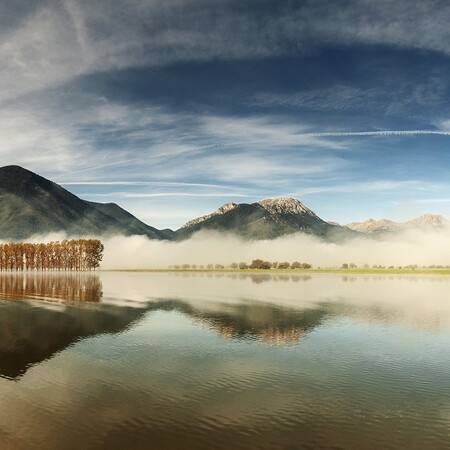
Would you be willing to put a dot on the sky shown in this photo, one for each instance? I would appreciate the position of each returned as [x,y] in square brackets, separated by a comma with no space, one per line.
[171,109]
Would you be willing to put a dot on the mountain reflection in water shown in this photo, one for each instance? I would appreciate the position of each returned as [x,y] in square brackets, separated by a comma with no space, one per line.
[30,334]
[67,307]
[199,361]
[272,324]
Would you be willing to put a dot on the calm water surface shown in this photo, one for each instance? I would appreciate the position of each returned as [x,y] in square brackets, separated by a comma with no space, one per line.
[206,361]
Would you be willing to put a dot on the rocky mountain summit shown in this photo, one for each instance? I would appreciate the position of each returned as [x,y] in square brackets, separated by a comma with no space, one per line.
[265,219]
[429,221]
[273,206]
[374,226]
[285,206]
[222,210]
[371,226]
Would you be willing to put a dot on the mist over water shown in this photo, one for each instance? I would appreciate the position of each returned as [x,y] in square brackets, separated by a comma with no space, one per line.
[423,248]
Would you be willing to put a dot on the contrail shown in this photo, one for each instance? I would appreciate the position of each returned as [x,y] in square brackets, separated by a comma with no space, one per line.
[325,134]
[377,133]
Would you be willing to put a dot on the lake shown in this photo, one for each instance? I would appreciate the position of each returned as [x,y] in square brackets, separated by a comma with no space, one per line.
[120,360]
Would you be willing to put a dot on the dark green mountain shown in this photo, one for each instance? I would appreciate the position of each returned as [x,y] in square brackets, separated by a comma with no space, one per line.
[266,219]
[31,204]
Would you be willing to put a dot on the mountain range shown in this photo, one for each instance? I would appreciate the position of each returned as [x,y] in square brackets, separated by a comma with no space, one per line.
[371,226]
[33,205]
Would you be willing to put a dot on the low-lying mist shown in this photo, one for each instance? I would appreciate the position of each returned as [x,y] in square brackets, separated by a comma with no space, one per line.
[424,248]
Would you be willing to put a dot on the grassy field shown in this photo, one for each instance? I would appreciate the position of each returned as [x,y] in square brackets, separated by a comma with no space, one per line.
[357,271]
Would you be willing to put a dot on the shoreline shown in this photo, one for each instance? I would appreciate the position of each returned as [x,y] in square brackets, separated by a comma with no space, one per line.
[418,271]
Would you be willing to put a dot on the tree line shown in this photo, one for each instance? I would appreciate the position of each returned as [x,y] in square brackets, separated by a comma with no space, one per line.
[255,264]
[75,254]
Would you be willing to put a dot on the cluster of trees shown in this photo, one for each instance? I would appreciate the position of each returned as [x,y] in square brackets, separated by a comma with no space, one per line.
[261,264]
[76,254]
[255,264]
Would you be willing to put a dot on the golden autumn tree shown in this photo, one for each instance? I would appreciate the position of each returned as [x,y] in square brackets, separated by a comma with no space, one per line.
[76,255]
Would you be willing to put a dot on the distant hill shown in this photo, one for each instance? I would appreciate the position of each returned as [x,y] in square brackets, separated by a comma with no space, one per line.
[425,222]
[266,219]
[31,204]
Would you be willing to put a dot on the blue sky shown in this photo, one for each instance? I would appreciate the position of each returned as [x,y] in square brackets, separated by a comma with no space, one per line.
[173,108]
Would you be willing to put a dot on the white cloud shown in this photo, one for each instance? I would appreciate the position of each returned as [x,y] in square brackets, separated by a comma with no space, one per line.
[374,186]
[267,130]
[253,167]
[143,183]
[27,138]
[226,194]
[444,125]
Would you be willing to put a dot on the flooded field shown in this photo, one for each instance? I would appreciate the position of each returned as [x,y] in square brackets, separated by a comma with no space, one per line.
[219,361]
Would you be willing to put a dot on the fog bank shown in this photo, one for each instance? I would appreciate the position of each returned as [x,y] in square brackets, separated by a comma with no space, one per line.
[423,248]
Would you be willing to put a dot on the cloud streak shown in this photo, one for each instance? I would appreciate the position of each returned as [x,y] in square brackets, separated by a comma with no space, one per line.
[380,133]
[180,194]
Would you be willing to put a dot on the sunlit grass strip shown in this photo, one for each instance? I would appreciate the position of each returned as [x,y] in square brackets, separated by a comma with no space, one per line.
[357,271]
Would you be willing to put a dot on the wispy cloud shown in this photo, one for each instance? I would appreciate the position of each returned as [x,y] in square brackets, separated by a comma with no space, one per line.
[333,98]
[103,142]
[391,95]
[268,130]
[59,41]
[387,22]
[431,200]
[373,186]
[256,167]
[143,183]
[182,194]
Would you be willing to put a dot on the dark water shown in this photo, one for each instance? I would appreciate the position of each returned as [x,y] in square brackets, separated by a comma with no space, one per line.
[136,360]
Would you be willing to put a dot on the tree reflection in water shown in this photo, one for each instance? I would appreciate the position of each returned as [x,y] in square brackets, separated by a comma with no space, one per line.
[68,309]
[69,287]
